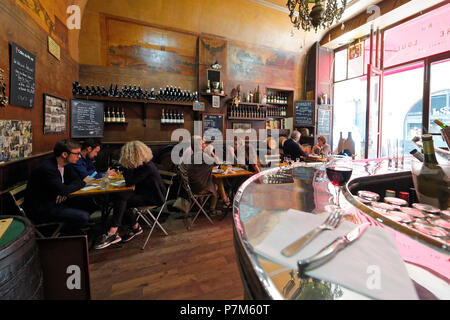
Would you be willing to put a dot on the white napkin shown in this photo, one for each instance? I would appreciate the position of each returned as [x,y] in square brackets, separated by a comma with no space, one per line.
[118,183]
[371,265]
[90,187]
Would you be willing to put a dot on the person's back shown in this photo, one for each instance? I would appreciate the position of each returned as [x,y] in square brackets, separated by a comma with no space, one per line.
[292,149]
[147,181]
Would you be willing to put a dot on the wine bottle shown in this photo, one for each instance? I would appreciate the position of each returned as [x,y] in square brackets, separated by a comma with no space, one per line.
[123,116]
[182,117]
[440,124]
[417,154]
[432,186]
[108,116]
[113,116]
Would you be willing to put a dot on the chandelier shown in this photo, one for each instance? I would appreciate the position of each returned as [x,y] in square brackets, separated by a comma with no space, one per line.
[322,14]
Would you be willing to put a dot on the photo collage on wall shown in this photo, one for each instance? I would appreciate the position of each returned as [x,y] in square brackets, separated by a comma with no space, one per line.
[15,140]
[55,114]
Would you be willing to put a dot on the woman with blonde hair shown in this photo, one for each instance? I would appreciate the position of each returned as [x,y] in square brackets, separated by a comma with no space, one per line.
[140,171]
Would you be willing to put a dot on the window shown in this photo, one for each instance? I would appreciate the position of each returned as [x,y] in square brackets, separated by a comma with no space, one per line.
[350,113]
[340,65]
[402,105]
[440,95]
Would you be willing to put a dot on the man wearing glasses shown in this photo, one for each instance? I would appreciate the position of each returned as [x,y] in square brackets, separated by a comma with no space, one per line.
[49,185]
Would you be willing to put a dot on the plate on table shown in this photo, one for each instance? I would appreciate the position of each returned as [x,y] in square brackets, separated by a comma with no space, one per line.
[413,212]
[430,230]
[215,170]
[442,223]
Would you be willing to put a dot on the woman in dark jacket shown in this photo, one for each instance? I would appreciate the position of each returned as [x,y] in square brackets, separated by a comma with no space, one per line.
[140,171]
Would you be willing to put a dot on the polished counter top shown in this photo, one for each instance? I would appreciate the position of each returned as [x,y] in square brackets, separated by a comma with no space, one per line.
[305,187]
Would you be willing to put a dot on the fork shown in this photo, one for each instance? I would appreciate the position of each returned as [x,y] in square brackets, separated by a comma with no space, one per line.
[330,223]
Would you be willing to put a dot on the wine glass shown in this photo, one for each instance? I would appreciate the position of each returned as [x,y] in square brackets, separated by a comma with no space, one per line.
[339,170]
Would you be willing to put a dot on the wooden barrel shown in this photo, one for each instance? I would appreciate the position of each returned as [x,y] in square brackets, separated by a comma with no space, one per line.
[21,276]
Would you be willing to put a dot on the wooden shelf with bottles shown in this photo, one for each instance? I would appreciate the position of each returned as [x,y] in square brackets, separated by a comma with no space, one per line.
[213,94]
[282,98]
[144,101]
[116,123]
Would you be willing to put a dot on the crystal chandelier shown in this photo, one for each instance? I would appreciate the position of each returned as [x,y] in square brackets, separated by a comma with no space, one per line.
[322,14]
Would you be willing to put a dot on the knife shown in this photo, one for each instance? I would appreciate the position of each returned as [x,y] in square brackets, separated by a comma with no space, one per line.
[331,250]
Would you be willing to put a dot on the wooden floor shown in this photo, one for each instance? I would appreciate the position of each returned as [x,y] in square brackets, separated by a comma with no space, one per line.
[199,264]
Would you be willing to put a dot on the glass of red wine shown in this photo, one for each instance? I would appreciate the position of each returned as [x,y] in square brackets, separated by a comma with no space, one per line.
[339,170]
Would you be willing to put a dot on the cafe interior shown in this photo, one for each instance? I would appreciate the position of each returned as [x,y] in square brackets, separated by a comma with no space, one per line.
[340,109]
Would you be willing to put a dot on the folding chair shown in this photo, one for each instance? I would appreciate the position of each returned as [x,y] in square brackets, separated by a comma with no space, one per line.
[18,198]
[197,199]
[142,211]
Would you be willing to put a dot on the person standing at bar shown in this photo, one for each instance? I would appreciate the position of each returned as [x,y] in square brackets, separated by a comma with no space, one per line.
[49,185]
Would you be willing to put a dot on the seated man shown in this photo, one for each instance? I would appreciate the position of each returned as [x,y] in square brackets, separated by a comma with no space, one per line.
[85,166]
[49,185]
[322,147]
[200,174]
[291,147]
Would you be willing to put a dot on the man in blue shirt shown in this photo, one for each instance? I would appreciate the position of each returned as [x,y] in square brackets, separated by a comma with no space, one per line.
[85,165]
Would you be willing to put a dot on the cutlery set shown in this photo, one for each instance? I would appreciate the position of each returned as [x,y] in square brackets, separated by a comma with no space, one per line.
[327,253]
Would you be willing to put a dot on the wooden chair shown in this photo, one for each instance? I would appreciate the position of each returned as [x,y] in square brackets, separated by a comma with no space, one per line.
[17,195]
[196,199]
[146,210]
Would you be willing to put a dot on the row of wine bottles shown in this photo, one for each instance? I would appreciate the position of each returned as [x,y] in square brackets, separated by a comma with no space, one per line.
[244,111]
[170,93]
[114,116]
[279,97]
[172,117]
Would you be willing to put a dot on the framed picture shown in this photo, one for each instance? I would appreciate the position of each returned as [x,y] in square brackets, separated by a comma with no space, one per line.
[55,114]
[216,101]
[15,140]
[242,127]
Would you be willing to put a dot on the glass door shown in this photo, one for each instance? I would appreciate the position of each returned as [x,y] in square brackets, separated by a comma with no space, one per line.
[440,99]
[374,106]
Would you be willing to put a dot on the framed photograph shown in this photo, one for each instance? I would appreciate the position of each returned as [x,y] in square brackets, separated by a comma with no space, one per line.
[242,127]
[55,114]
[216,101]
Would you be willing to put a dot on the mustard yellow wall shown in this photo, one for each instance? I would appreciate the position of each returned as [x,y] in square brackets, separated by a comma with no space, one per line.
[244,21]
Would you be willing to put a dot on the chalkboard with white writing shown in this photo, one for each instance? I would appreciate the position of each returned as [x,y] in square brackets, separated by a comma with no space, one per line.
[324,122]
[212,126]
[304,113]
[23,70]
[86,119]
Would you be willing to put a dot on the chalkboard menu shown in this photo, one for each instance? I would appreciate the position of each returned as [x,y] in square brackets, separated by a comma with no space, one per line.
[212,126]
[304,111]
[23,70]
[324,122]
[86,119]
